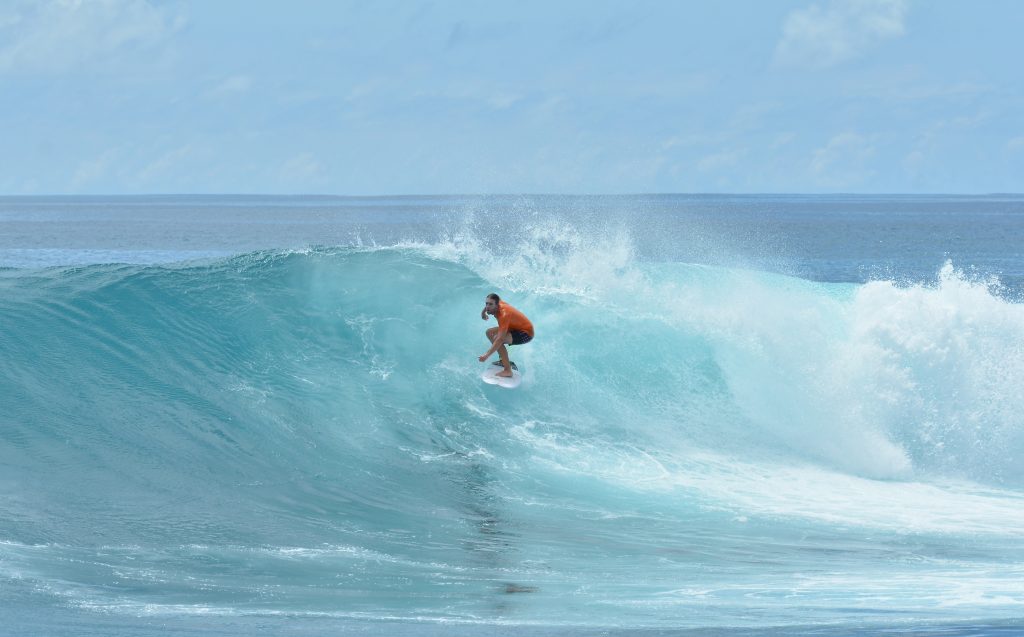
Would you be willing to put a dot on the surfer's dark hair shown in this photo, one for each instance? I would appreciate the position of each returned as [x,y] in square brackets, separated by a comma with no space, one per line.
[494,297]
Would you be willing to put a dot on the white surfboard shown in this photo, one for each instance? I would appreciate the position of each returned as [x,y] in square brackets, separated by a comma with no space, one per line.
[490,376]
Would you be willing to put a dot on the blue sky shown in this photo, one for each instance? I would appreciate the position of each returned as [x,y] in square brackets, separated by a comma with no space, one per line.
[363,98]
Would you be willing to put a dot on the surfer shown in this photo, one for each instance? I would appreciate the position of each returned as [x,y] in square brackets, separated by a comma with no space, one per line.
[513,329]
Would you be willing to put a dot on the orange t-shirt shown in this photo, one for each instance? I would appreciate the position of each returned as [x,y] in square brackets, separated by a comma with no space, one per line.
[512,319]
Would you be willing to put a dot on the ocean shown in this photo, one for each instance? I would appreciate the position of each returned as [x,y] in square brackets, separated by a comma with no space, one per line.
[740,415]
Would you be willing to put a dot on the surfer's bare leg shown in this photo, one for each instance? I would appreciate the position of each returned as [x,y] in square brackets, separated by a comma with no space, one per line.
[492,334]
[503,355]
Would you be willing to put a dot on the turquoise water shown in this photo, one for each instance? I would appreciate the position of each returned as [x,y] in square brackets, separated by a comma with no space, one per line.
[214,438]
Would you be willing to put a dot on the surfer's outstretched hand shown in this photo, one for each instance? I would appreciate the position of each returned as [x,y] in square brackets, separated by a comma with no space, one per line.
[483,359]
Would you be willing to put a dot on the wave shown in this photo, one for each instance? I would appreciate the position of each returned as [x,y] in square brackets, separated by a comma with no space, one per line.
[266,356]
[198,425]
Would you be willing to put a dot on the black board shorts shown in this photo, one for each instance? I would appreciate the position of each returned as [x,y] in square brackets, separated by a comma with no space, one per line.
[520,337]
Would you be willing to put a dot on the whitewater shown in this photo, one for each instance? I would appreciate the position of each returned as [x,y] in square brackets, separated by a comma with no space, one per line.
[739,416]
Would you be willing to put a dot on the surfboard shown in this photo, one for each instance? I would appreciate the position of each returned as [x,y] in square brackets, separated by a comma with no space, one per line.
[491,378]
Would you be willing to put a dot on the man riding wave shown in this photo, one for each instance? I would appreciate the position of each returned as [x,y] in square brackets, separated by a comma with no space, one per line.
[513,329]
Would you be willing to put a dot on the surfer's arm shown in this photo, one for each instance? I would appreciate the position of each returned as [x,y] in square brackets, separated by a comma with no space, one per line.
[499,340]
[483,314]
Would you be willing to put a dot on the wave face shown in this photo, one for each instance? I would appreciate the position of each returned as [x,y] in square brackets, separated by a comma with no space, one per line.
[304,433]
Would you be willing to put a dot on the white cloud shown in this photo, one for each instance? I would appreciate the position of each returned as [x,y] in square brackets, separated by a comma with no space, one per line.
[913,162]
[501,101]
[818,37]
[904,86]
[163,166]
[300,97]
[552,105]
[302,170]
[842,162]
[234,85]
[689,140]
[783,139]
[941,131]
[717,161]
[494,97]
[753,116]
[365,89]
[56,36]
[91,171]
[463,33]
[9,17]
[129,166]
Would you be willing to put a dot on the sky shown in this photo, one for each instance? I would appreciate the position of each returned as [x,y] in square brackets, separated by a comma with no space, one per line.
[574,97]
